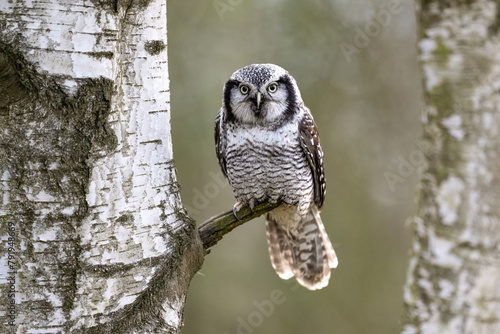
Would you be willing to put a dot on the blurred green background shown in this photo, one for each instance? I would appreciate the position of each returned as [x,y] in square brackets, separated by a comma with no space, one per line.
[367,107]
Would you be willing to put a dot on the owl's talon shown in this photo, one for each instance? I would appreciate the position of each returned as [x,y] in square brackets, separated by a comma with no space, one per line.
[237,207]
[235,214]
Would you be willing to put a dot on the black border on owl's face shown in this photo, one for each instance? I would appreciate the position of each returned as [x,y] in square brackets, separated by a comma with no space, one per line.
[227,98]
[292,97]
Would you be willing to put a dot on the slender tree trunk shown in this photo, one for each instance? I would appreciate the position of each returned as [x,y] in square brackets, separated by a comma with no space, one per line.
[454,270]
[94,238]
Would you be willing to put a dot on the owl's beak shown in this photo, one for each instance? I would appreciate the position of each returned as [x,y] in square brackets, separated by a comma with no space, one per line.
[259,97]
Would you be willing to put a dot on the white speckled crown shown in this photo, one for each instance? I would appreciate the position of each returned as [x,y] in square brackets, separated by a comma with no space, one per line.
[258,74]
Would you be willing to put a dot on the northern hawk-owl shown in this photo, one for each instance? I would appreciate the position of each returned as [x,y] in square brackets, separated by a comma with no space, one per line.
[269,149]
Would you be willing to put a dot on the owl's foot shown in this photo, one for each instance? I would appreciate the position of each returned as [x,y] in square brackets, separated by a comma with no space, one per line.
[240,205]
[251,204]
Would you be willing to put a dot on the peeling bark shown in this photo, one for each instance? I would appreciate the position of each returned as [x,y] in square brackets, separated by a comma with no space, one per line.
[90,210]
[452,284]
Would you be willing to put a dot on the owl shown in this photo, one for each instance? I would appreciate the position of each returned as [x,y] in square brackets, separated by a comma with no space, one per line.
[269,149]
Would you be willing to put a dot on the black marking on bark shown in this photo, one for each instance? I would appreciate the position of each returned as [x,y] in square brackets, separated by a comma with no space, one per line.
[154,47]
[11,88]
[105,54]
[126,218]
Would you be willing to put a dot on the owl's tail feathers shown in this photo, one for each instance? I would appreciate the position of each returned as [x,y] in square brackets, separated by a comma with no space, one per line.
[306,253]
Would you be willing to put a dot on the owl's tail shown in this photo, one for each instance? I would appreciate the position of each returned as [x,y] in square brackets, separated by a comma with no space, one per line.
[305,253]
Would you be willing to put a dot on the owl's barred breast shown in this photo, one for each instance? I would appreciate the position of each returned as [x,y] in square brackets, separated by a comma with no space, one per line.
[268,164]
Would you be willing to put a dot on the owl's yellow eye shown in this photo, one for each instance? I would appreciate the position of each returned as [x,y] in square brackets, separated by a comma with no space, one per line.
[244,89]
[272,87]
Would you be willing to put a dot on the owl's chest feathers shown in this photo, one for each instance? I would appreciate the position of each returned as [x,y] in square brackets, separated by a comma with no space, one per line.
[267,164]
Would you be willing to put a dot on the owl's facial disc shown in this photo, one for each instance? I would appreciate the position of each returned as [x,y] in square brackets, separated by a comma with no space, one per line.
[259,103]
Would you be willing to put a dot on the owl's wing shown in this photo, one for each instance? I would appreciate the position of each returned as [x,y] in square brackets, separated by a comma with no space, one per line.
[220,141]
[309,140]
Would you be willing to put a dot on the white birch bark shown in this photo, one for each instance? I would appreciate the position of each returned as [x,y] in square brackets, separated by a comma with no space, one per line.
[88,190]
[454,272]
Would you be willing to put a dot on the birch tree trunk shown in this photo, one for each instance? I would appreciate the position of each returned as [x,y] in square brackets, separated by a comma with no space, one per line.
[454,272]
[94,238]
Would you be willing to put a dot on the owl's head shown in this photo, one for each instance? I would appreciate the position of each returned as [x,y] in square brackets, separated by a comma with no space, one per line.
[261,94]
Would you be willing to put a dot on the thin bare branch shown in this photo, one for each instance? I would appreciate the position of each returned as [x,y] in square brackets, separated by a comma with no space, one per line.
[212,230]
